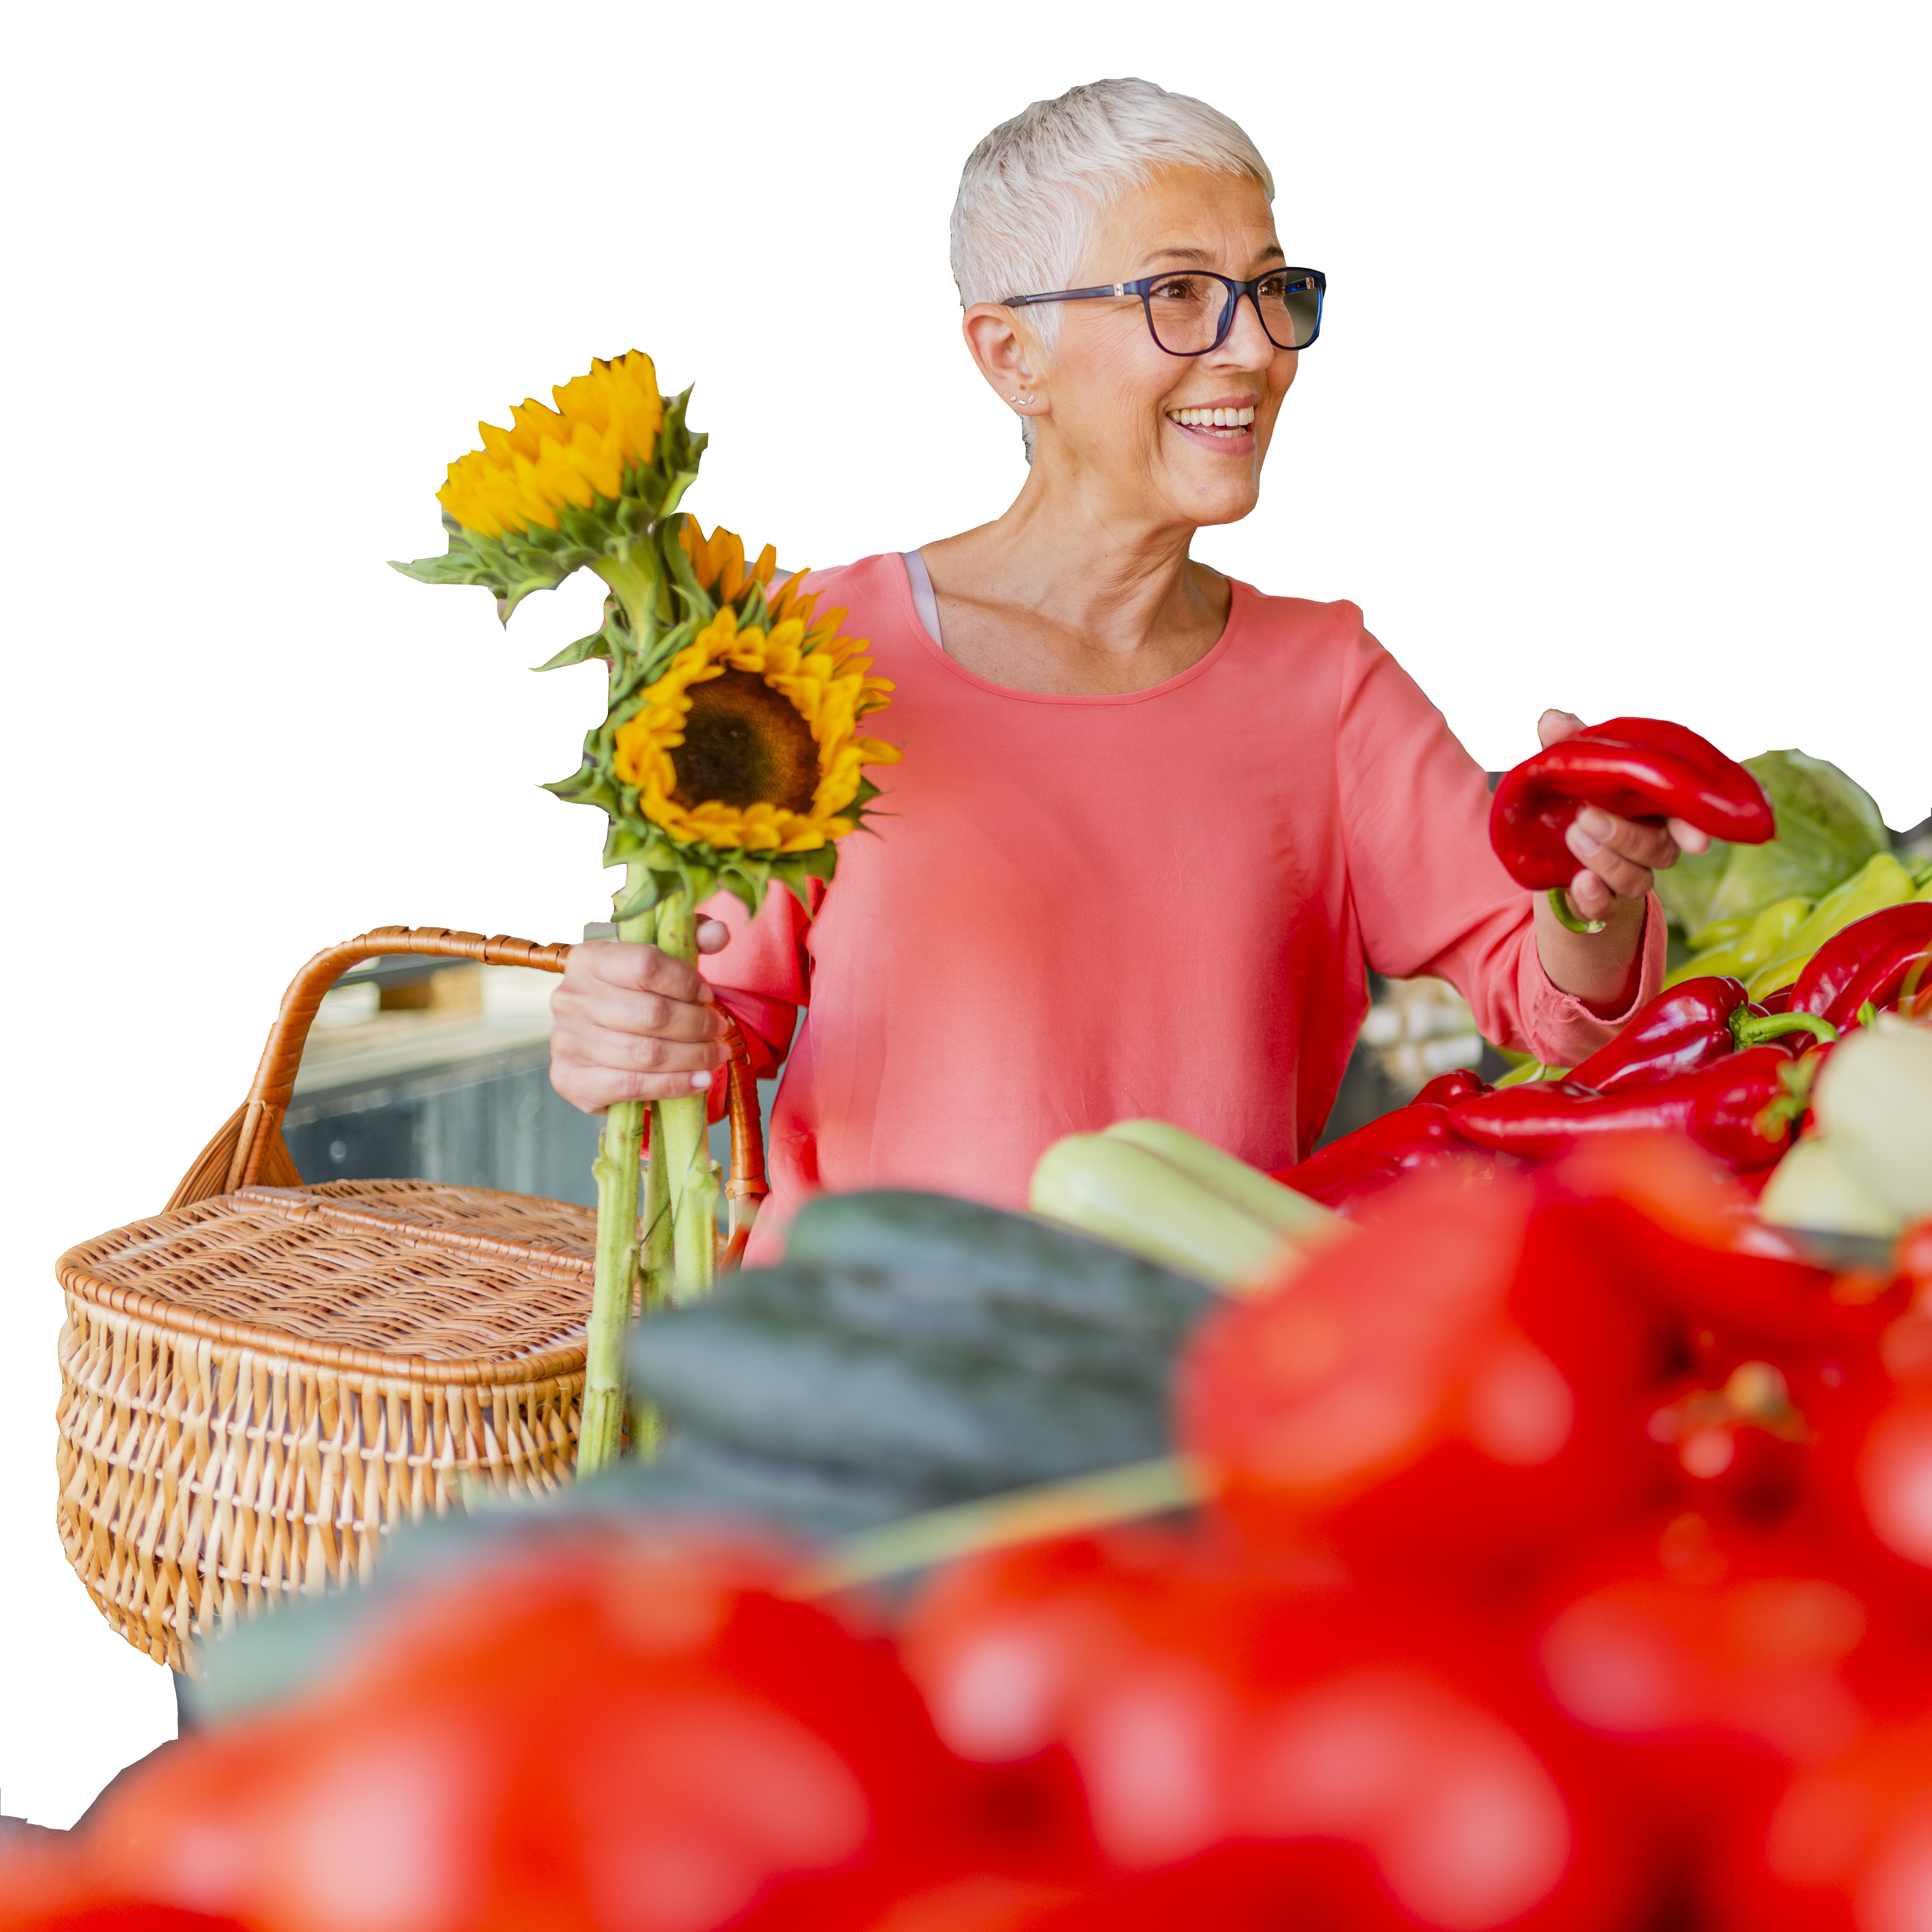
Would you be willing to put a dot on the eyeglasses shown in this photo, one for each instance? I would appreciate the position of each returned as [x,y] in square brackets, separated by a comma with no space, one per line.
[1189,312]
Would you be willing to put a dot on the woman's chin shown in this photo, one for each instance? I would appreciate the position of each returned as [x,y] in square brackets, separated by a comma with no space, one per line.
[1215,499]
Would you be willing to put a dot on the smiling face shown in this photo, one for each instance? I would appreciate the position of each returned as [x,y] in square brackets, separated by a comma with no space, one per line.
[1160,438]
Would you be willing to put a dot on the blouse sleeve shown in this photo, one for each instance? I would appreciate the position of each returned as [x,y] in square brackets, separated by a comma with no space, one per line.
[1431,895]
[763,977]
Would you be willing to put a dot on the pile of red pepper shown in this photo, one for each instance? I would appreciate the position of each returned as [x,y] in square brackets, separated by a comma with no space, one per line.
[1568,1567]
[1699,1060]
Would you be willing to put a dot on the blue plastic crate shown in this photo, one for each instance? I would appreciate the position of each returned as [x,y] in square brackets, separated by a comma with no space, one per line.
[180,698]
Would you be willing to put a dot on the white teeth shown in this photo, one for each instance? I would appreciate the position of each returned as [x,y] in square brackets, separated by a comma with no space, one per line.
[1223,418]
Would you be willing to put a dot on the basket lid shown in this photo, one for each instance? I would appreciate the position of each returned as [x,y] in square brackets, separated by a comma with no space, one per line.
[448,1284]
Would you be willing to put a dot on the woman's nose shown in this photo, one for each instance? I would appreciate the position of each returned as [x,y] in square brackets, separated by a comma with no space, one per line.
[1248,346]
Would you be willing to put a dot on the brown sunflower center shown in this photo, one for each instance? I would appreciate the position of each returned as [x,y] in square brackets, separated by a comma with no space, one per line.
[744,744]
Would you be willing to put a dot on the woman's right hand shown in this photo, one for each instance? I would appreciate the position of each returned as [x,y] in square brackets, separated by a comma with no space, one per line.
[634,1024]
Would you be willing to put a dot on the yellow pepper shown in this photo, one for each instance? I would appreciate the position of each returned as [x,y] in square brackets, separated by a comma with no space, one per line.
[1764,938]
[1721,933]
[1881,881]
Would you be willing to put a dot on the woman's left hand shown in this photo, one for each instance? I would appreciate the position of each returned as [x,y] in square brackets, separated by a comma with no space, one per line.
[1616,858]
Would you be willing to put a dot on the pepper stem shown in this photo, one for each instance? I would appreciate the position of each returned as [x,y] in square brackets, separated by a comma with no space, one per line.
[1750,1029]
[1795,1077]
[614,1281]
[1559,904]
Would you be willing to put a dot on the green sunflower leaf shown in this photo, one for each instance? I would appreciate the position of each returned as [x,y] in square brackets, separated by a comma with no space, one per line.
[595,646]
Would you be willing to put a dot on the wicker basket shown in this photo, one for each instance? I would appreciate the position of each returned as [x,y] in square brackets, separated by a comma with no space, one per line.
[261,1381]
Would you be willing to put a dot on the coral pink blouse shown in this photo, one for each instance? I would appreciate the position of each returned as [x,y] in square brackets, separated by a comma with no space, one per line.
[1082,909]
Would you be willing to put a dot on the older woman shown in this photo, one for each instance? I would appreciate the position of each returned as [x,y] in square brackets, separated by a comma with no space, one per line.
[1153,826]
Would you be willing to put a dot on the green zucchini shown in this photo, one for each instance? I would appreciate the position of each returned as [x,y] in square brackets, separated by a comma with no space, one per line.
[696,1473]
[975,1253]
[1258,1196]
[945,1418]
[924,1311]
[1124,1194]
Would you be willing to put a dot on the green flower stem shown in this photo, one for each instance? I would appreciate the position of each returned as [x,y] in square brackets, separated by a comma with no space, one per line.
[682,1125]
[637,582]
[614,1282]
[657,1275]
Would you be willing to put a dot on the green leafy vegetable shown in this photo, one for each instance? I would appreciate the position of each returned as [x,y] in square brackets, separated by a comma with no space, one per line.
[1828,826]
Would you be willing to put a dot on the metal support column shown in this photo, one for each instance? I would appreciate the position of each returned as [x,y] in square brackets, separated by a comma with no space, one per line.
[1911,256]
[1859,118]
[1558,144]
[855,113]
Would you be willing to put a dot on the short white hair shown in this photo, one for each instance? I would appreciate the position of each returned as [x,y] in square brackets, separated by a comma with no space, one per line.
[1033,191]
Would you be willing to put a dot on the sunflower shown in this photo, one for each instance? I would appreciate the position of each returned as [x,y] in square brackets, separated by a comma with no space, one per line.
[791,601]
[750,739]
[605,425]
[718,561]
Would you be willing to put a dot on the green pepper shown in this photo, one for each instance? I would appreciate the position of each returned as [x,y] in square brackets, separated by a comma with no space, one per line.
[1881,881]
[1764,938]
[1525,1071]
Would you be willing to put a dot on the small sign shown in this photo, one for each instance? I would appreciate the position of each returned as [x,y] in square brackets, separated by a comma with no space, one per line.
[26,1239]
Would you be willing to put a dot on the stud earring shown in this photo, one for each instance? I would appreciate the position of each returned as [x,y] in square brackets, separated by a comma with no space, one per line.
[1019,402]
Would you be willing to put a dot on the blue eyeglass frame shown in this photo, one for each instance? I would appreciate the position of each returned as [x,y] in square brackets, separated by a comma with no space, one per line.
[1144,286]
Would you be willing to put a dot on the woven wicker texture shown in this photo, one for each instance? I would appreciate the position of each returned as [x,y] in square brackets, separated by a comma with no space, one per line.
[255,1388]
[550,1227]
[349,1285]
[259,1383]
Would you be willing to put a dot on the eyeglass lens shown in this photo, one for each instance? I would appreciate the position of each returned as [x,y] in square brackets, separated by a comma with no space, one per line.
[1185,311]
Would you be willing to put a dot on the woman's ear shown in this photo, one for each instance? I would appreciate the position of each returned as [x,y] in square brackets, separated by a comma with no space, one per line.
[1007,356]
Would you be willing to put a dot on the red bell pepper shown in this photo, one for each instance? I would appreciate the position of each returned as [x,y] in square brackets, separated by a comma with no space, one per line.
[1686,1027]
[1389,1148]
[1874,962]
[1640,768]
[1459,1083]
[1739,1108]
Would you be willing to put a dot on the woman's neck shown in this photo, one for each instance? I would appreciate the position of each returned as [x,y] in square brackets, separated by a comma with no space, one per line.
[1065,595]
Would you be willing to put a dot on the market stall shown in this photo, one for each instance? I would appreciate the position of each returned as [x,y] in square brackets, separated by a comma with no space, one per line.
[1508,1510]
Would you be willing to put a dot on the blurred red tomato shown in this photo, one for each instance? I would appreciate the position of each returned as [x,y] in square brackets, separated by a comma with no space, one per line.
[589,1731]
[1239,1739]
[1847,1848]
[54,1889]
[1706,1662]
[1459,1388]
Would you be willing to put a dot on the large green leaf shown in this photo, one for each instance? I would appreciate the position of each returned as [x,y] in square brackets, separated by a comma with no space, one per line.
[1828,826]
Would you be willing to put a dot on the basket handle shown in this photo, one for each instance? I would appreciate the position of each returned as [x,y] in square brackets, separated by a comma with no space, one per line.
[250,1149]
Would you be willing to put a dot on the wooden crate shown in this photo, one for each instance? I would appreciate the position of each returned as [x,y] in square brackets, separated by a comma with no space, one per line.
[53,934]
